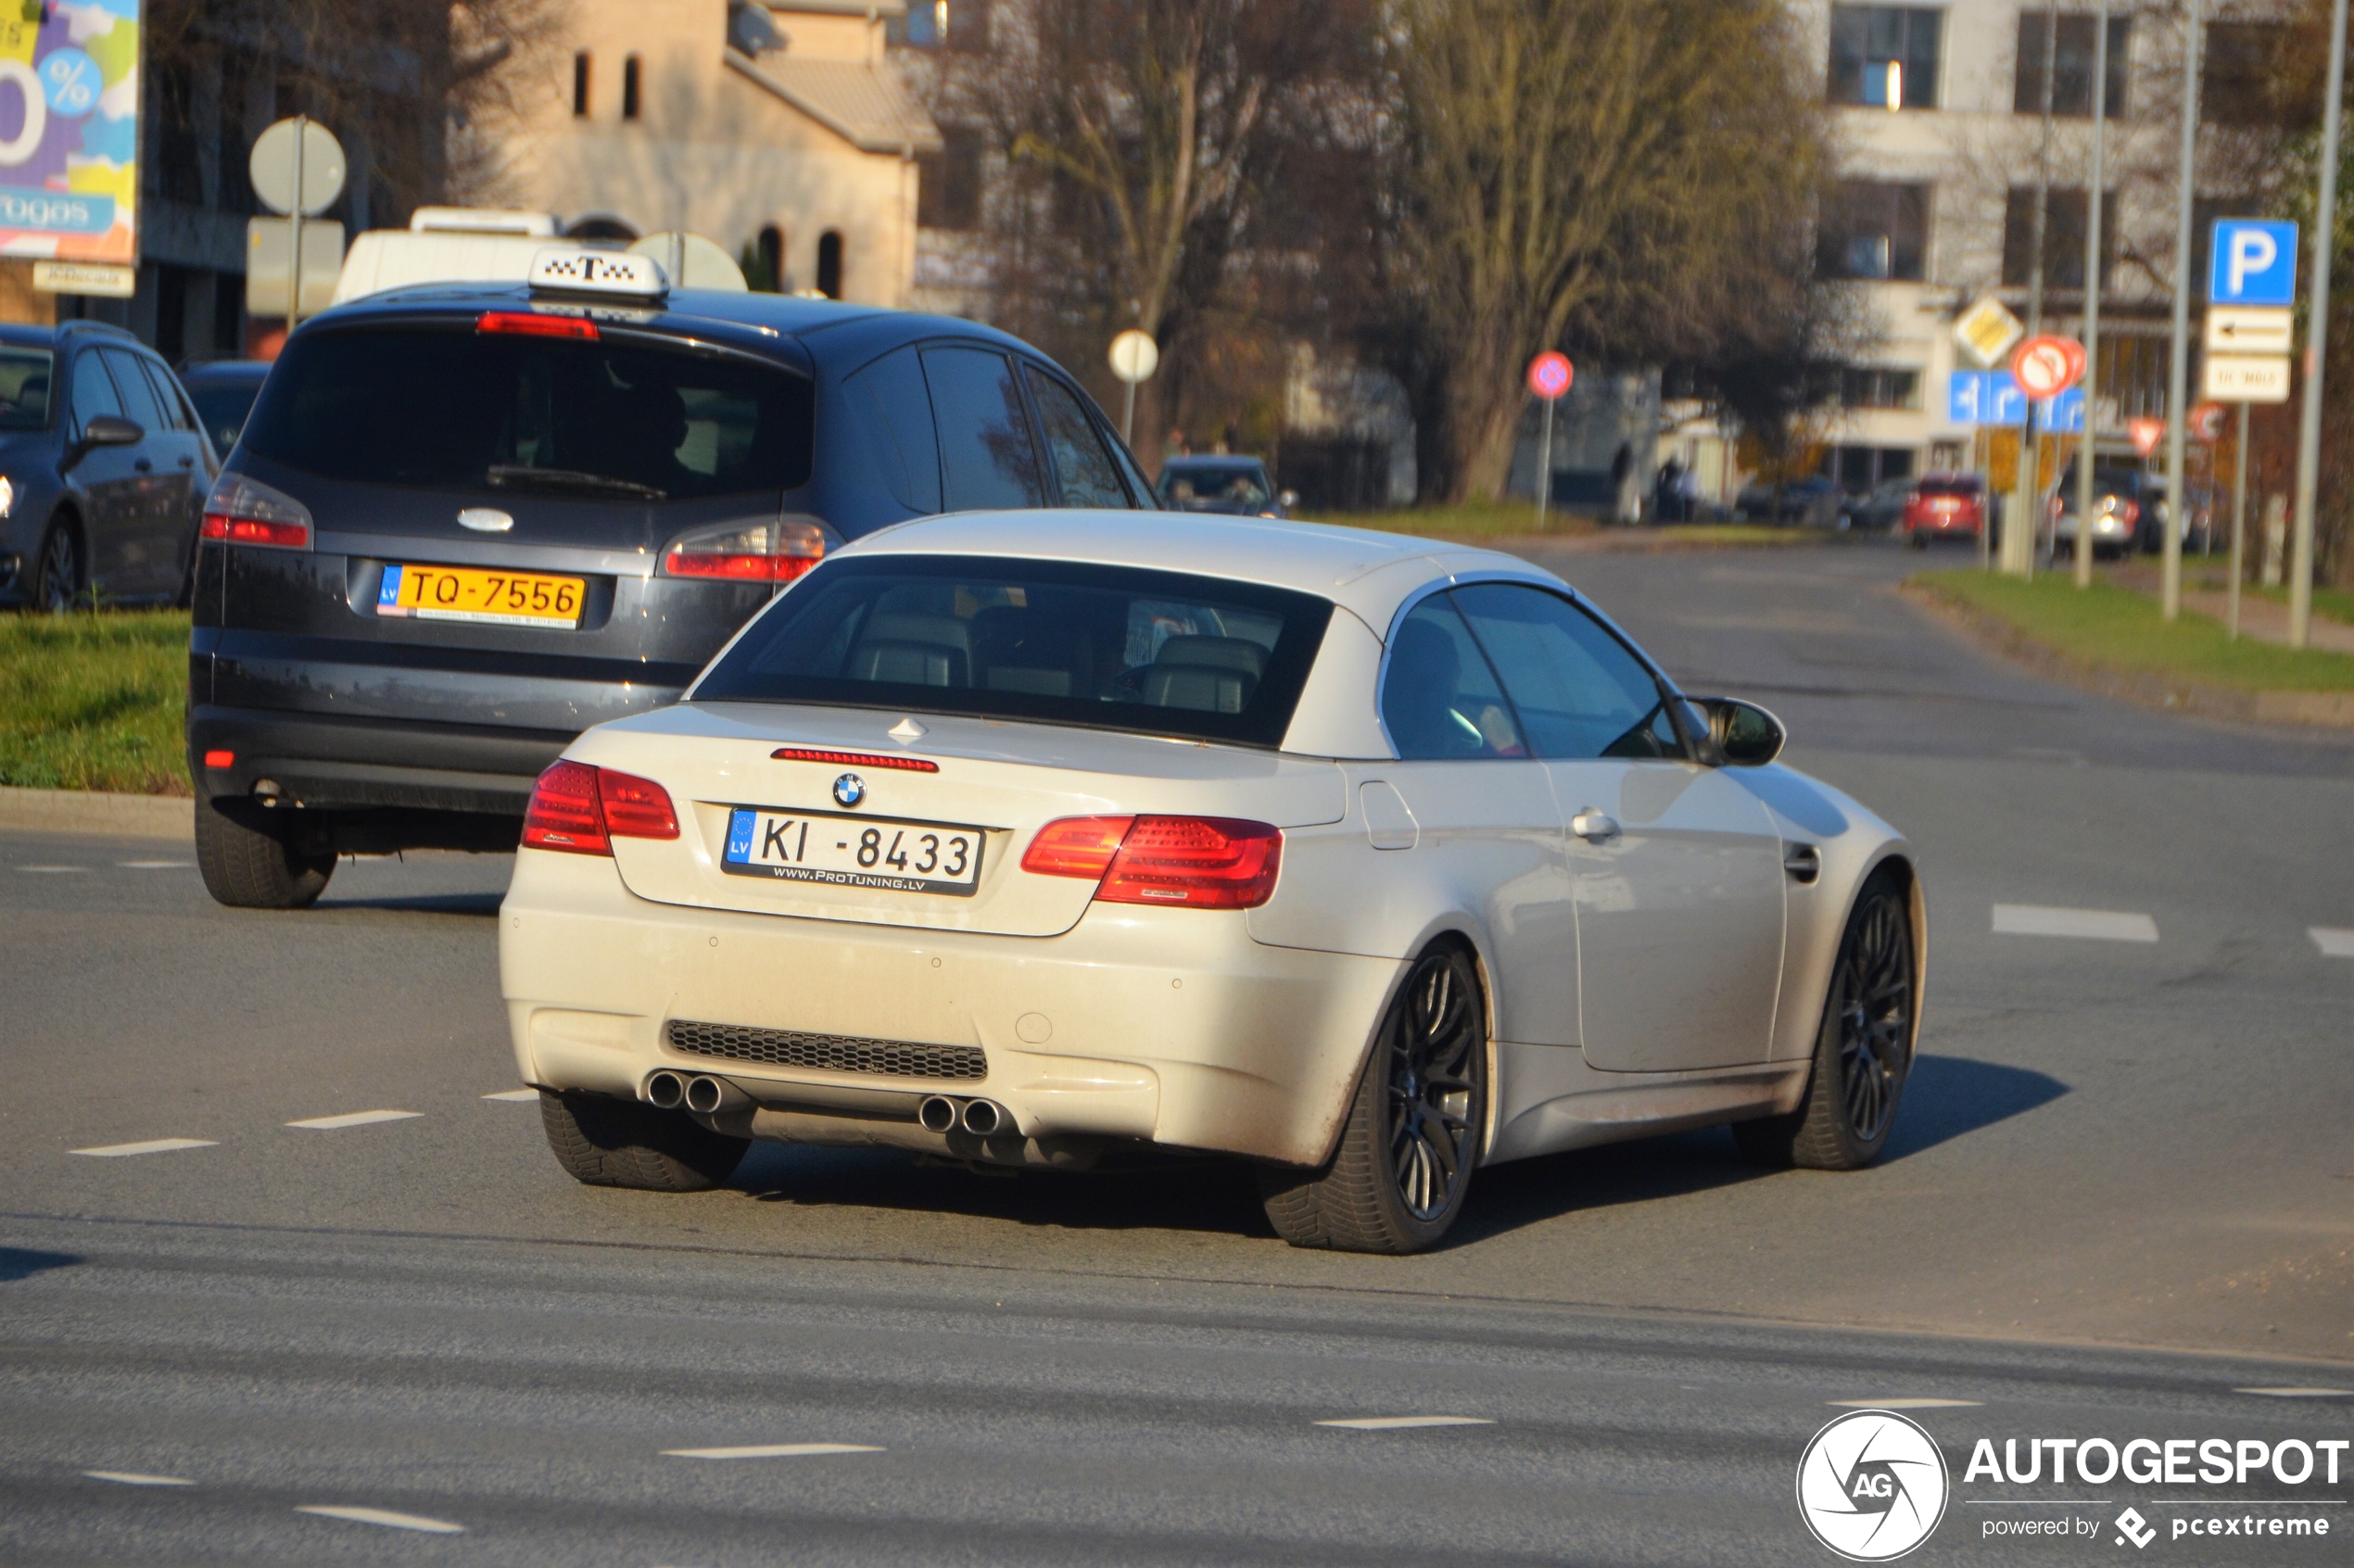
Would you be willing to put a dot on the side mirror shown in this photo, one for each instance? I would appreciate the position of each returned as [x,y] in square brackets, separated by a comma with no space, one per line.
[104,430]
[1743,734]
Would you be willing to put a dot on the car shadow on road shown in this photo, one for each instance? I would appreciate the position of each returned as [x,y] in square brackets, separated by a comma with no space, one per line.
[22,1262]
[1950,1096]
[479,905]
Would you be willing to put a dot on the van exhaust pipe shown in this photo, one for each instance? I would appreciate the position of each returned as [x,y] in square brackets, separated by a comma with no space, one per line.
[707,1094]
[665,1091]
[983,1118]
[937,1114]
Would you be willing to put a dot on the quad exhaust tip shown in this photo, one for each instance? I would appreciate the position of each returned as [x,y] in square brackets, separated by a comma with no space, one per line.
[665,1091]
[937,1114]
[705,1094]
[982,1119]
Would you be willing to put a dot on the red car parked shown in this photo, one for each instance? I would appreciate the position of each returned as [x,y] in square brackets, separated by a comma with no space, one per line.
[1945,506]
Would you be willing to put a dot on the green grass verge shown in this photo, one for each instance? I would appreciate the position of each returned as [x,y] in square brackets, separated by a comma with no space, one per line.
[1517,519]
[2115,629]
[2330,604]
[95,702]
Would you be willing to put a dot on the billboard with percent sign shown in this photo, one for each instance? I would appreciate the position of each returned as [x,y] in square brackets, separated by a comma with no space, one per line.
[70,130]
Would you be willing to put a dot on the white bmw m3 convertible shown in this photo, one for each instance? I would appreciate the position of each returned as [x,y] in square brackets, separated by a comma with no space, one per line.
[1028,839]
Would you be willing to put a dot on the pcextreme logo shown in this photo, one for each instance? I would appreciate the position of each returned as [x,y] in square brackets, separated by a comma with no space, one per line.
[1872,1485]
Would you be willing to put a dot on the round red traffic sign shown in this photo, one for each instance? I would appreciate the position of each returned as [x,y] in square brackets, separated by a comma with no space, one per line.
[1550,374]
[2204,423]
[2047,366]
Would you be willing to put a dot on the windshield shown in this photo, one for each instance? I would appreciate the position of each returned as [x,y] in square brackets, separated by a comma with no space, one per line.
[1223,485]
[454,409]
[223,406]
[1949,487]
[24,388]
[1055,643]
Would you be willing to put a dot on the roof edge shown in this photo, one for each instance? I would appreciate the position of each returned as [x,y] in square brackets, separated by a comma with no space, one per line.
[923,139]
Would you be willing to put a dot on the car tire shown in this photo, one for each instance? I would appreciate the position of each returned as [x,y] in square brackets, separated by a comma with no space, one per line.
[250,864]
[1398,1180]
[58,573]
[1863,1051]
[604,1142]
[1917,539]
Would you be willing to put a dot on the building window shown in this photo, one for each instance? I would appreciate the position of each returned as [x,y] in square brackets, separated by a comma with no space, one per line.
[948,181]
[942,24]
[1870,386]
[769,261]
[580,85]
[2071,77]
[2063,237]
[830,264]
[629,88]
[1875,229]
[1885,56]
[2242,78]
[1859,469]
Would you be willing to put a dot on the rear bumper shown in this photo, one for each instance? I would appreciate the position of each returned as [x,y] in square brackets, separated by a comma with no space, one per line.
[1165,1026]
[328,762]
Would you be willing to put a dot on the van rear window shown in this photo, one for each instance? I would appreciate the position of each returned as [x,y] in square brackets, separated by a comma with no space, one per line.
[450,409]
[1053,642]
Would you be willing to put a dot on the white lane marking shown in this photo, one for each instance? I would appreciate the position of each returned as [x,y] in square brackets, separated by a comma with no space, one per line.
[2298,1393]
[1900,1404]
[513,1094]
[2100,925]
[155,864]
[132,1478]
[54,870]
[351,1118]
[153,1145]
[771,1450]
[2333,941]
[1397,1423]
[385,1517]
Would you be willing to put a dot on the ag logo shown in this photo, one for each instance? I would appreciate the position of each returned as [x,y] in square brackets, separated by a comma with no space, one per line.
[1872,1485]
[849,790]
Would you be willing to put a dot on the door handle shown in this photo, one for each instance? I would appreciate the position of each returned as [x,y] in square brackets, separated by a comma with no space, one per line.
[1594,825]
[143,465]
[1804,862]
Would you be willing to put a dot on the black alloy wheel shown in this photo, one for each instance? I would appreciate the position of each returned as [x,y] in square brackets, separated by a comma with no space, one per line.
[1864,1051]
[56,584]
[1398,1180]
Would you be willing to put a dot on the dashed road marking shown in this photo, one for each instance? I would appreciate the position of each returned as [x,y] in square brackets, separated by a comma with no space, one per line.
[351,1118]
[1901,1404]
[771,1450]
[153,1145]
[2333,941]
[132,1478]
[385,1517]
[2299,1393]
[2099,925]
[517,1094]
[54,870]
[155,864]
[1398,1423]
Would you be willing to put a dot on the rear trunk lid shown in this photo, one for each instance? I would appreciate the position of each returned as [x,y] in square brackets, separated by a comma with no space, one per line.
[998,781]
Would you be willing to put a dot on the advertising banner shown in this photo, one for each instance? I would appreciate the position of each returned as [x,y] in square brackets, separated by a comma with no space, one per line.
[70,130]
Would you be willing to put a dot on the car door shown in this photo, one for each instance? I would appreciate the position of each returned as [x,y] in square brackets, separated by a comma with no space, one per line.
[1678,869]
[184,462]
[108,482]
[158,493]
[987,458]
[1083,472]
[1467,797]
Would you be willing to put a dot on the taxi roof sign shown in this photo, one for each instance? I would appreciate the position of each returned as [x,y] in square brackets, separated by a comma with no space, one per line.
[571,270]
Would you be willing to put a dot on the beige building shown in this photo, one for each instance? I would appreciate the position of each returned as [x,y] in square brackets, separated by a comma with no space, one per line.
[779,132]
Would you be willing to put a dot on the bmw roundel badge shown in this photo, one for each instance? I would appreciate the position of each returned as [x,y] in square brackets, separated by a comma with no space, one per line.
[849,790]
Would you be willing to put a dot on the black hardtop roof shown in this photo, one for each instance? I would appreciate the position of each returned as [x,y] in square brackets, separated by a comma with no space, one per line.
[844,328]
[52,336]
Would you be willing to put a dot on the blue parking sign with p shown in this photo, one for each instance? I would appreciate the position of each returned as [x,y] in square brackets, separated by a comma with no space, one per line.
[2253,261]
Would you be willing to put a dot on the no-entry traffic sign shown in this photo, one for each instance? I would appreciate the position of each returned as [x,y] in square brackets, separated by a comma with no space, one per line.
[1550,374]
[2047,366]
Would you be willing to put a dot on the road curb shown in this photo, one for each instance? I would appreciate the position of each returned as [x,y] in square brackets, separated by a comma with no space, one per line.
[2173,694]
[91,811]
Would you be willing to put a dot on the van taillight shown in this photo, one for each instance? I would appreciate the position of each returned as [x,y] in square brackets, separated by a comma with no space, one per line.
[241,512]
[747,553]
[580,810]
[1200,861]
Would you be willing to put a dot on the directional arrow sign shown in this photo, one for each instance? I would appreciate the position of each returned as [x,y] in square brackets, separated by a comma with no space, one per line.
[2250,329]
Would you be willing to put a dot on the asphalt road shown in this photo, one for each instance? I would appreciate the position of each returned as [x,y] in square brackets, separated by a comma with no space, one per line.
[2122,1189]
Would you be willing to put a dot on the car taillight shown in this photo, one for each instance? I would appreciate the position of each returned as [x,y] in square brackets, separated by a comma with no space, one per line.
[241,512]
[581,810]
[534,323]
[1200,862]
[747,553]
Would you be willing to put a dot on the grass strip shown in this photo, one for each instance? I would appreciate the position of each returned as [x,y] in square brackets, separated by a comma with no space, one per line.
[2115,629]
[95,700]
[1517,520]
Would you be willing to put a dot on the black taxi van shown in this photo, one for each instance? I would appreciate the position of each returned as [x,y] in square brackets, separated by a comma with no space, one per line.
[466,522]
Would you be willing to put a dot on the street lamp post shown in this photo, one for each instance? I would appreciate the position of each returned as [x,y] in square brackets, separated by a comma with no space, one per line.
[2083,553]
[2317,334]
[2018,532]
[2170,601]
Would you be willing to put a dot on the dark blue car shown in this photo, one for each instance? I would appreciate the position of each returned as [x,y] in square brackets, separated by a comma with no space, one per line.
[465,523]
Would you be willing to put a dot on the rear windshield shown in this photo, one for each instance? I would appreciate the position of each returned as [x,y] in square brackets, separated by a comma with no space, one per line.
[453,409]
[1949,487]
[1237,483]
[1053,642]
[24,388]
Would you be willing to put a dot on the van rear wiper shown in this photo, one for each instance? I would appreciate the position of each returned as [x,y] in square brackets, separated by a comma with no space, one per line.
[517,475]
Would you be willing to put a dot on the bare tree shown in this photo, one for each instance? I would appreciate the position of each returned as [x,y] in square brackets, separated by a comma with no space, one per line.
[1586,172]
